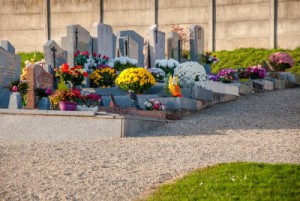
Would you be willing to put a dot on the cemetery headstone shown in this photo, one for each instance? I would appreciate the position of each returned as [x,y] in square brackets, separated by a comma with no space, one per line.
[54,55]
[64,43]
[104,38]
[173,46]
[7,46]
[136,45]
[37,77]
[77,39]
[146,53]
[10,67]
[196,41]
[156,44]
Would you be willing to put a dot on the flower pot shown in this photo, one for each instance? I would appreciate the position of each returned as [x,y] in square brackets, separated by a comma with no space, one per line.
[67,106]
[15,101]
[44,104]
[207,68]
[85,108]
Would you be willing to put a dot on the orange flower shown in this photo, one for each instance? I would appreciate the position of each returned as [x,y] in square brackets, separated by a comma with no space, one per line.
[64,68]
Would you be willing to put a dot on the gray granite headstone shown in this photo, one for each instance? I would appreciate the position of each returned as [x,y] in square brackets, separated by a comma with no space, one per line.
[128,47]
[7,46]
[60,54]
[136,45]
[84,41]
[156,44]
[64,42]
[173,46]
[196,41]
[122,46]
[10,67]
[4,97]
[104,39]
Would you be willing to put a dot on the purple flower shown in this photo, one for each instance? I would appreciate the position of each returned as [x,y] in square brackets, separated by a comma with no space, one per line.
[15,89]
[48,91]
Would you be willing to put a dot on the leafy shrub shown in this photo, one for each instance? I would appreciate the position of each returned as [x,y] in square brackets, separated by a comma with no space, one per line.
[30,55]
[245,57]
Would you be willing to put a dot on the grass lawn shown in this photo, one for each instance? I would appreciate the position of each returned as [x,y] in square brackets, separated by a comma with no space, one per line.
[235,181]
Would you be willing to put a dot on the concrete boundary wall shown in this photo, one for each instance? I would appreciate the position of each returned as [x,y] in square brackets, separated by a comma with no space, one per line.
[228,24]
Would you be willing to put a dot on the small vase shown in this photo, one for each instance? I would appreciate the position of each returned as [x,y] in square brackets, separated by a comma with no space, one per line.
[44,104]
[15,101]
[207,69]
[67,106]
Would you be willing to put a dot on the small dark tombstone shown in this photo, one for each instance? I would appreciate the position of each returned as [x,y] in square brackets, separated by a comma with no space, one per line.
[134,100]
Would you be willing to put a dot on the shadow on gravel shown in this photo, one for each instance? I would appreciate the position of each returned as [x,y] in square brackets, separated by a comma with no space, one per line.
[261,111]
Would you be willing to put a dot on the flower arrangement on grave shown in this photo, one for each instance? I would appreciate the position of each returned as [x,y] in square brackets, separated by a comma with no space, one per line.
[257,72]
[190,70]
[68,97]
[91,100]
[21,87]
[208,58]
[281,61]
[167,66]
[42,92]
[174,87]
[158,73]
[135,79]
[227,75]
[75,75]
[89,61]
[153,104]
[104,76]
[122,63]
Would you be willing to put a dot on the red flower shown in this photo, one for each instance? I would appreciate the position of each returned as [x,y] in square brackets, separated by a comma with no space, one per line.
[64,68]
[75,55]
[107,58]
[99,55]
[77,52]
[85,74]
[95,54]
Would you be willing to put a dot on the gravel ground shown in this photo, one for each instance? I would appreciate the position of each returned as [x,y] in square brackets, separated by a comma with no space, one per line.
[263,127]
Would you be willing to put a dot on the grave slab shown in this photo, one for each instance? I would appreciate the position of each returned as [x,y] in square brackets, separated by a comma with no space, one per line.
[219,87]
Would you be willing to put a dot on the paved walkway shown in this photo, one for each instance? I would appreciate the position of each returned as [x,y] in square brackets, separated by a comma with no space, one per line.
[264,127]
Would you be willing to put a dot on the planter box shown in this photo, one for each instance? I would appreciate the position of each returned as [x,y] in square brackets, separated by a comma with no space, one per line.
[219,87]
[261,85]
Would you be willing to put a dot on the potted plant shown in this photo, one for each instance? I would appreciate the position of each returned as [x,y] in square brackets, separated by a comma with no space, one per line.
[18,91]
[43,93]
[104,77]
[90,102]
[167,66]
[207,59]
[281,61]
[256,72]
[65,100]
[228,75]
[153,104]
[135,79]
[74,75]
[158,74]
[122,63]
[243,74]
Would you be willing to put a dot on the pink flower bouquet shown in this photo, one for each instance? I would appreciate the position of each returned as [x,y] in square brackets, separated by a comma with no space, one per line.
[281,61]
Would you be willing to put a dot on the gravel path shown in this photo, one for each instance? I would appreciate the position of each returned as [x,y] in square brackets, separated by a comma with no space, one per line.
[264,127]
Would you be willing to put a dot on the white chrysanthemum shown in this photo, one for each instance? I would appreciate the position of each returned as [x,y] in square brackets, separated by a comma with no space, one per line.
[111,64]
[157,71]
[190,70]
[172,63]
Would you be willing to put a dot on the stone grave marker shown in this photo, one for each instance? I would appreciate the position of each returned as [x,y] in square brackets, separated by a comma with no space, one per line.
[136,45]
[203,94]
[10,66]
[64,43]
[173,46]
[77,39]
[196,42]
[37,77]
[104,38]
[54,55]
[219,87]
[261,85]
[7,46]
[156,44]
[123,46]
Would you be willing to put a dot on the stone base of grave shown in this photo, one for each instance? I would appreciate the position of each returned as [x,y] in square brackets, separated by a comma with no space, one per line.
[167,115]
[221,98]
[65,125]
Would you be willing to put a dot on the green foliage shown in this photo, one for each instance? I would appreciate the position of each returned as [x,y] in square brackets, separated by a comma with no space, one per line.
[61,86]
[235,181]
[186,54]
[28,56]
[245,57]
